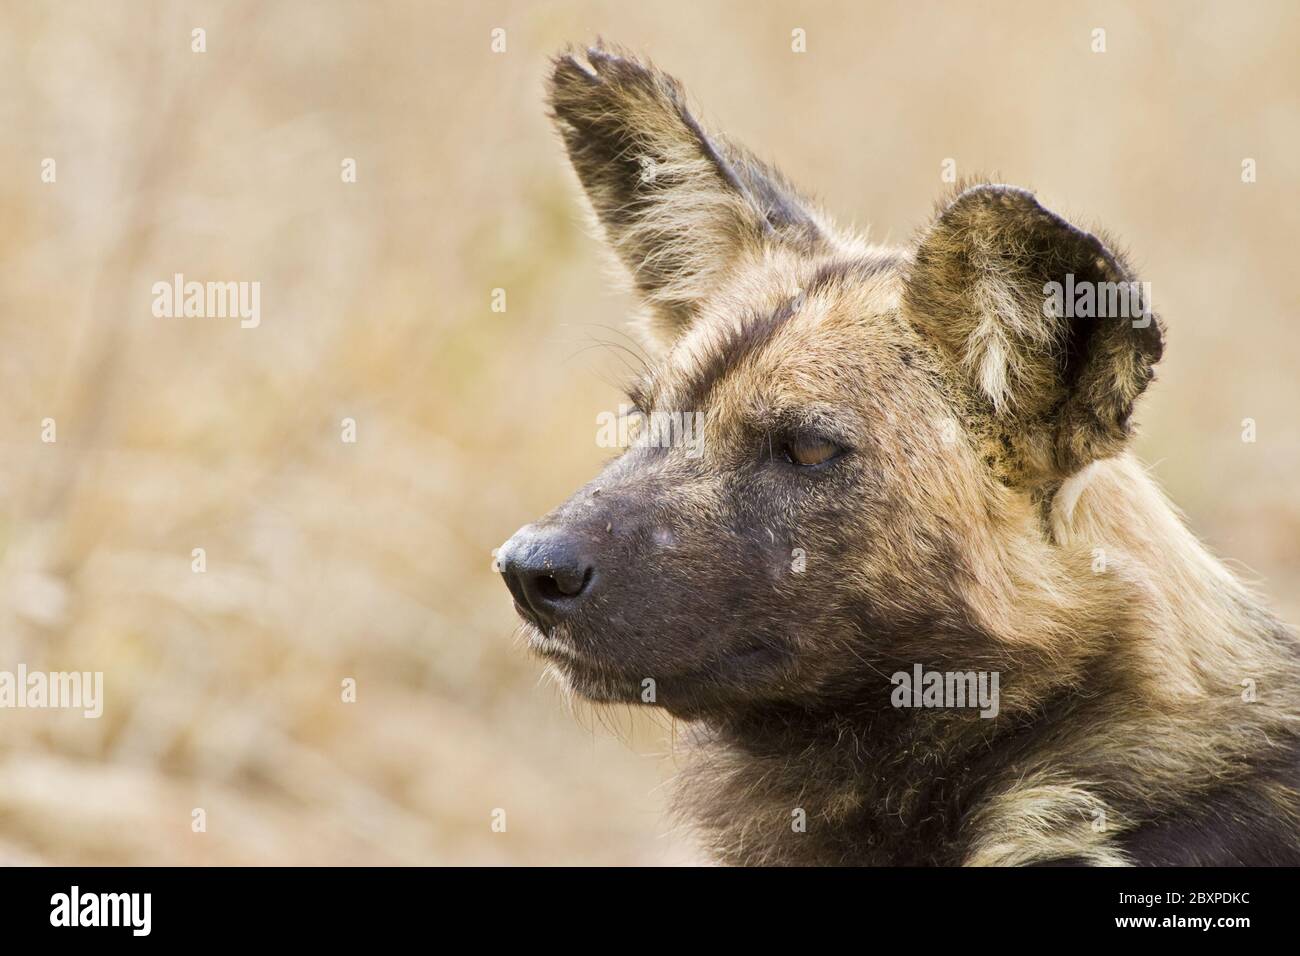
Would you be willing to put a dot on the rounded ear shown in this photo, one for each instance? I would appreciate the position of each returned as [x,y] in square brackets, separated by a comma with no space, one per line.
[1046,326]
[676,204]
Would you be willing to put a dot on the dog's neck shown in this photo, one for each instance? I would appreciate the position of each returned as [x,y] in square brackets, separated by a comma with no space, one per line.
[864,785]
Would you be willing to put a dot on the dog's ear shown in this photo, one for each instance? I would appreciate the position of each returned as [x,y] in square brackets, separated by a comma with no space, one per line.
[1045,325]
[676,205]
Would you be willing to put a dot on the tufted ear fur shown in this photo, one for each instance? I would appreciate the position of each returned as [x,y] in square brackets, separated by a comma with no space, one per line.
[1045,325]
[676,204]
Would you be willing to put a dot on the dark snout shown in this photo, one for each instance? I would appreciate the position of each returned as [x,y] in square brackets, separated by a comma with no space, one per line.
[550,570]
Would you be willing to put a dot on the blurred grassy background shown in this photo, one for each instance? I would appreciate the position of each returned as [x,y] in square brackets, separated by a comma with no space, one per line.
[372,560]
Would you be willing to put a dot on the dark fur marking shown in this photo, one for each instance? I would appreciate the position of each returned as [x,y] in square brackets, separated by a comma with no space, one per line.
[1232,826]
[727,354]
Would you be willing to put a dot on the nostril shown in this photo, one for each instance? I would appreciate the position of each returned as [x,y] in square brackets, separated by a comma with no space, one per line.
[560,585]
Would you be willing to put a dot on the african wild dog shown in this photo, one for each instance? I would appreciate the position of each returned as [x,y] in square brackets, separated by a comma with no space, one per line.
[908,459]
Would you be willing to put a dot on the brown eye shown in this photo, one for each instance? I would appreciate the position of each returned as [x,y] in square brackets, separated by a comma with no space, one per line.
[807,452]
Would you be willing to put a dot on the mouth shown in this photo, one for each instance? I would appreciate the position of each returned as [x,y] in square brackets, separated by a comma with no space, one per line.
[583,675]
[685,691]
[546,643]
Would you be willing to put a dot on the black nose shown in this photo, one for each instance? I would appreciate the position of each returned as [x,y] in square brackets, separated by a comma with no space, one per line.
[547,570]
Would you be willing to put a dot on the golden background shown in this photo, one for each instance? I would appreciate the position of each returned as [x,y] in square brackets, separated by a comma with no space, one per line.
[371,560]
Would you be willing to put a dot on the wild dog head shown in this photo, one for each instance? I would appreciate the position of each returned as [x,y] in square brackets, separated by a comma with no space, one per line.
[880,428]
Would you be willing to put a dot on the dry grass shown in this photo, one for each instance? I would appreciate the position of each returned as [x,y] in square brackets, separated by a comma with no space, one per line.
[372,560]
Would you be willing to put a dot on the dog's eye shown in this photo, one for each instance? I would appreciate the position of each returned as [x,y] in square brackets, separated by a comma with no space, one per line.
[807,452]
[634,421]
